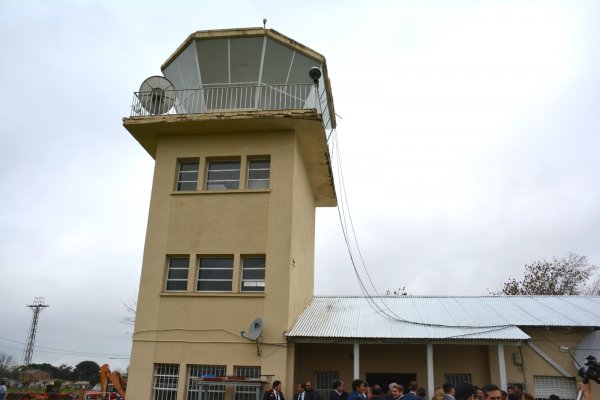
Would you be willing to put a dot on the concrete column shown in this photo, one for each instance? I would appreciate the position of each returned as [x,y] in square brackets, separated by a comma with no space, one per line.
[502,366]
[430,384]
[356,360]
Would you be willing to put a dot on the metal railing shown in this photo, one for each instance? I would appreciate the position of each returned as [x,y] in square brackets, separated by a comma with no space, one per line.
[225,98]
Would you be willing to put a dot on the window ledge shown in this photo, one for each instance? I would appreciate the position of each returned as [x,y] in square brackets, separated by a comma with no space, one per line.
[210,294]
[184,192]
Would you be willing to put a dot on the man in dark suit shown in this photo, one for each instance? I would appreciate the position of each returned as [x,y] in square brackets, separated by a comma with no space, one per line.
[412,394]
[309,392]
[299,395]
[275,393]
[338,392]
[448,391]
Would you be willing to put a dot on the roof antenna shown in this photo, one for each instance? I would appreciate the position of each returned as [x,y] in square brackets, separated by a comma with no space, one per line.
[264,23]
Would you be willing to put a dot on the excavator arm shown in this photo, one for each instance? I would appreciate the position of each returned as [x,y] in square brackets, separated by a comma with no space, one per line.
[115,378]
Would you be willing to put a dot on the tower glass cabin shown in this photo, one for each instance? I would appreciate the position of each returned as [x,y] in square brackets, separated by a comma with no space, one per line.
[238,133]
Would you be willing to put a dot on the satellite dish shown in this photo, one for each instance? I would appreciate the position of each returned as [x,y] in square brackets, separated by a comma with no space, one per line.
[157,95]
[588,346]
[255,329]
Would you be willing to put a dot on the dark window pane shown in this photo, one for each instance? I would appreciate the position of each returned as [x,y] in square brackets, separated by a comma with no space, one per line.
[223,175]
[188,176]
[259,174]
[186,186]
[214,286]
[253,274]
[260,164]
[188,166]
[218,165]
[223,185]
[221,262]
[176,285]
[254,262]
[263,184]
[215,274]
[179,262]
[178,273]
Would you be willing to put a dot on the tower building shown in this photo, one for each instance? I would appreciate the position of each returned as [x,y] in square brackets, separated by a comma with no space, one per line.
[237,128]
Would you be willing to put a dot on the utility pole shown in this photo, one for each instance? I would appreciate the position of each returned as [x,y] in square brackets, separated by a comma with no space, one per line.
[37,307]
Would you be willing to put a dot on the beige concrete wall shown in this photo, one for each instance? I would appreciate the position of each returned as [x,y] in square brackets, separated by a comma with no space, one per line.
[204,328]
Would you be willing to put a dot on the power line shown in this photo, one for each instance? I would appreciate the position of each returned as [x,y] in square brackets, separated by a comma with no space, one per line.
[64,351]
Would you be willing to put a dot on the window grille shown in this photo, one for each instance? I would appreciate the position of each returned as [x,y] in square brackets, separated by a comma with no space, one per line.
[564,388]
[323,382]
[187,178]
[166,379]
[246,392]
[223,175]
[253,274]
[259,173]
[177,275]
[455,379]
[212,392]
[215,274]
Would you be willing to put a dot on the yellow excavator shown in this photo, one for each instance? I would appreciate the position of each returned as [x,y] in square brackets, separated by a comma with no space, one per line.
[112,386]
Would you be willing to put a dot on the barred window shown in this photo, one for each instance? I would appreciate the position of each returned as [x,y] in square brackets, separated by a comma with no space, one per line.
[215,274]
[223,175]
[209,391]
[259,173]
[177,275]
[253,274]
[455,379]
[565,388]
[166,379]
[323,381]
[246,392]
[187,178]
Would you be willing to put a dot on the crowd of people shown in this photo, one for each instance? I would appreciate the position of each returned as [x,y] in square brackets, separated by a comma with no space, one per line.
[362,391]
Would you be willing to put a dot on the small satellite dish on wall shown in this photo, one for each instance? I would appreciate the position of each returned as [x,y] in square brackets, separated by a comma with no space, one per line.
[588,346]
[255,329]
[157,95]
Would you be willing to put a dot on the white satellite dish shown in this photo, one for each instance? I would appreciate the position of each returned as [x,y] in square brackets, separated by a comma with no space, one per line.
[588,346]
[255,329]
[157,95]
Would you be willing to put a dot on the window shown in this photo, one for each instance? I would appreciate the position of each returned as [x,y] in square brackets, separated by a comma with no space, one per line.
[166,378]
[215,274]
[223,175]
[247,392]
[455,379]
[187,178]
[253,274]
[323,381]
[213,391]
[558,385]
[177,275]
[259,173]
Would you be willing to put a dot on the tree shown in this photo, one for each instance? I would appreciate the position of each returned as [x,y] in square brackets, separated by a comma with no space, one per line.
[7,365]
[561,276]
[87,371]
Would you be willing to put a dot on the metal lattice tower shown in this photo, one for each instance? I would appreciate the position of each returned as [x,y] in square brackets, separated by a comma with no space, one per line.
[37,307]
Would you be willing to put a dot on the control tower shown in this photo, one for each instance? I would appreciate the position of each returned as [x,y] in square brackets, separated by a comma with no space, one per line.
[237,126]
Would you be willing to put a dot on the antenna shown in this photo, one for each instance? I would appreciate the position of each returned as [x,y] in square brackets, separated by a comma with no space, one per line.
[157,95]
[37,307]
[264,23]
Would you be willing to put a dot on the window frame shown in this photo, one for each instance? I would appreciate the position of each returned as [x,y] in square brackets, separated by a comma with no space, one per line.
[214,161]
[214,392]
[179,182]
[247,371]
[169,268]
[199,270]
[165,393]
[243,269]
[249,169]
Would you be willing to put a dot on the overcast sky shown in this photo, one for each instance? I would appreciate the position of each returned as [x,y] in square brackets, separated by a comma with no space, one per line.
[469,135]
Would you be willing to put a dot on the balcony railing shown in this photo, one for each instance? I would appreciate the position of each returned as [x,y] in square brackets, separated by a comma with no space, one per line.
[225,98]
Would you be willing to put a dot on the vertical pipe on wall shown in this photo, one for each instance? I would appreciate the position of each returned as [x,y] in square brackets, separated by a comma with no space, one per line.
[430,385]
[356,360]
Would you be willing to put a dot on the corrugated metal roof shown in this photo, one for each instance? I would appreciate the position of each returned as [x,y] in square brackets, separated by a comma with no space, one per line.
[417,317]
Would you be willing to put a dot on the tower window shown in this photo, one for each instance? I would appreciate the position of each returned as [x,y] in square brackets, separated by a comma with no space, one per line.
[223,175]
[187,178]
[259,173]
[215,274]
[166,380]
[177,275]
[253,274]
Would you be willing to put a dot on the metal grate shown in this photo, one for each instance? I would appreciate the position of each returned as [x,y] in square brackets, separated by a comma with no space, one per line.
[323,382]
[166,379]
[211,392]
[564,388]
[455,379]
[246,392]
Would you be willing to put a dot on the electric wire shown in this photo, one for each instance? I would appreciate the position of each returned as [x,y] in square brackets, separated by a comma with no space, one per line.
[45,349]
[343,209]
